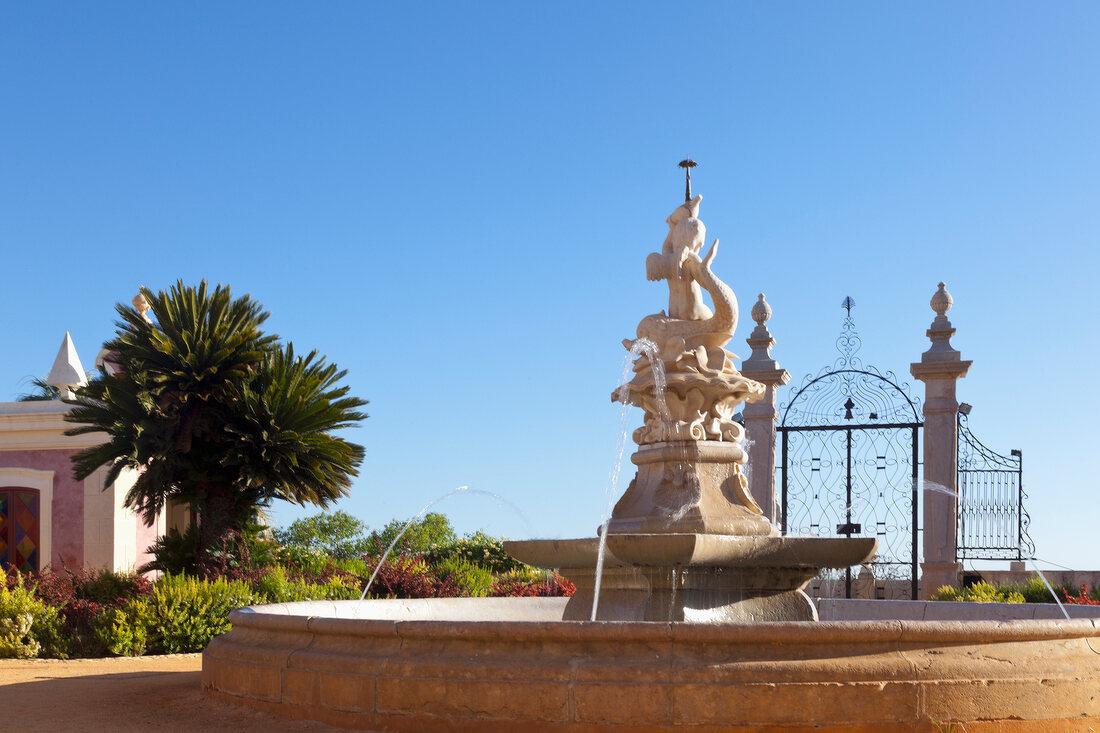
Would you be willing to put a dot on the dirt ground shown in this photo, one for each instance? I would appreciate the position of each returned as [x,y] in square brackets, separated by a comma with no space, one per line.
[160,693]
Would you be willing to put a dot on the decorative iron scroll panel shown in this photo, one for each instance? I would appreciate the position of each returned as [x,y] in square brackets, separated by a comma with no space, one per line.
[849,462]
[993,523]
[856,481]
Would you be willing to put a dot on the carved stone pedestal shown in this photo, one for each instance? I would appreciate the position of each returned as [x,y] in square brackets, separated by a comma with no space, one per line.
[692,487]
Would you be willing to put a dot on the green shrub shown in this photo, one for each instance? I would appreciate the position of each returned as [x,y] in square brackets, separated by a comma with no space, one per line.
[276,587]
[356,566]
[174,552]
[108,587]
[1034,590]
[304,559]
[471,580]
[523,574]
[28,627]
[187,612]
[476,549]
[980,592]
[125,631]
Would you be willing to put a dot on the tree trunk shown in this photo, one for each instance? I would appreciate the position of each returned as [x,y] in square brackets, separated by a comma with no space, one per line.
[217,517]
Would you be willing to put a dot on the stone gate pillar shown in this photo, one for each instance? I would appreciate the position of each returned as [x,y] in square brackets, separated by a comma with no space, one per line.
[940,368]
[760,416]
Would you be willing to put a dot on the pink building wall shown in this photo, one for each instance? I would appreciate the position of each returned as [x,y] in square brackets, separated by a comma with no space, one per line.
[68,502]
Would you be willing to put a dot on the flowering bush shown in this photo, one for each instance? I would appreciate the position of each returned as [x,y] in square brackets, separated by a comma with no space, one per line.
[1082,598]
[28,626]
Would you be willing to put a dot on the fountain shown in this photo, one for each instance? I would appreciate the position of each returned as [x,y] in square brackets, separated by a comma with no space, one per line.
[701,620]
[687,542]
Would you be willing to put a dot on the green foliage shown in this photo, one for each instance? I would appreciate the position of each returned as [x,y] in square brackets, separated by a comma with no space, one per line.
[125,631]
[107,586]
[187,613]
[276,587]
[214,412]
[470,579]
[523,574]
[28,627]
[174,552]
[355,566]
[980,592]
[430,530]
[336,534]
[40,392]
[1034,590]
[476,549]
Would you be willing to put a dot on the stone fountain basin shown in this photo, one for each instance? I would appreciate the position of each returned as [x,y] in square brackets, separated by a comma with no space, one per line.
[697,550]
[508,664]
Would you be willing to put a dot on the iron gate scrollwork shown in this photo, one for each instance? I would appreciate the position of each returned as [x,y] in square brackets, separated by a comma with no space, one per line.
[849,461]
[993,523]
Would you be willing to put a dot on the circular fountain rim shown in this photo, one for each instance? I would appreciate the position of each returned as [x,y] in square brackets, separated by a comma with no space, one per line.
[497,675]
[327,616]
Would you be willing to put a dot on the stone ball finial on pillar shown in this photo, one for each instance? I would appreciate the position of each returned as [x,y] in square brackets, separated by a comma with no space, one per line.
[941,300]
[940,368]
[760,416]
[761,311]
[761,339]
[941,330]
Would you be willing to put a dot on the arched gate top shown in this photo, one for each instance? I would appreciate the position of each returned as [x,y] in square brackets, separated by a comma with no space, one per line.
[849,393]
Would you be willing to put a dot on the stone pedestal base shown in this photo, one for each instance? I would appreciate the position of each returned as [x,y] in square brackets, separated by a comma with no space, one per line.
[691,486]
[934,575]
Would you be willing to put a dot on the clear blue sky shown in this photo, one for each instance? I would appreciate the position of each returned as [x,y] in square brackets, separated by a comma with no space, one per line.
[454,202]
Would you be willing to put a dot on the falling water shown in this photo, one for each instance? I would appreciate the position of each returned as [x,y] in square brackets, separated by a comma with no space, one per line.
[649,349]
[1043,578]
[460,490]
[940,489]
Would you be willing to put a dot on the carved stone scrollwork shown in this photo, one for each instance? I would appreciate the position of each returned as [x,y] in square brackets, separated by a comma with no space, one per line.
[691,402]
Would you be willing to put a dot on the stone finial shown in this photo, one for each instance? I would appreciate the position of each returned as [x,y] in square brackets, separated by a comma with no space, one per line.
[141,305]
[941,330]
[761,311]
[67,373]
[760,340]
[942,301]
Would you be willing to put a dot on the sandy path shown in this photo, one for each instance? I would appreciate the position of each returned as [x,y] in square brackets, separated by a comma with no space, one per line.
[157,693]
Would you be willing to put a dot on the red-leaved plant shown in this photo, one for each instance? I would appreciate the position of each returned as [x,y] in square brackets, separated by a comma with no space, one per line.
[512,587]
[402,576]
[1081,599]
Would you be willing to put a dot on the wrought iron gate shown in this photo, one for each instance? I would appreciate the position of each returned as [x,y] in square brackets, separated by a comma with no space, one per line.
[993,523]
[849,461]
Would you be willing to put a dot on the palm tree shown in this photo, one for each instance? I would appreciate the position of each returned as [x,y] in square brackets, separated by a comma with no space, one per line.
[40,391]
[214,412]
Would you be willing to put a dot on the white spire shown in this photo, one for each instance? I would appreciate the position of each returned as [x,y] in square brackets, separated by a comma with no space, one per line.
[67,372]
